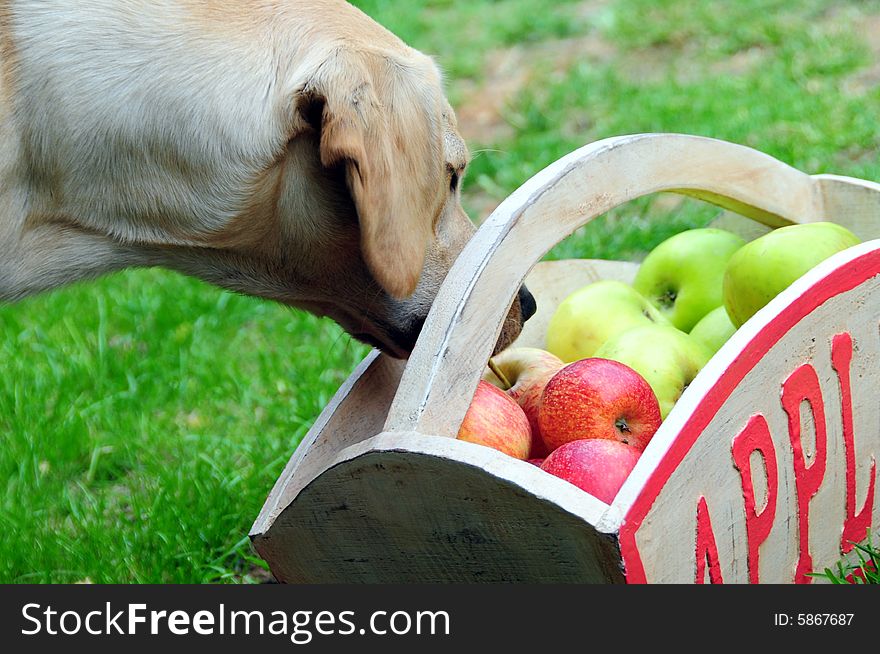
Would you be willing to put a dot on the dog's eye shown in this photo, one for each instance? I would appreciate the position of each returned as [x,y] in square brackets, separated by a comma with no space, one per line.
[453,181]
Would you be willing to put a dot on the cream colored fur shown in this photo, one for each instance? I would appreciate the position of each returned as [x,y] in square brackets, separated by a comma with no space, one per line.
[293,150]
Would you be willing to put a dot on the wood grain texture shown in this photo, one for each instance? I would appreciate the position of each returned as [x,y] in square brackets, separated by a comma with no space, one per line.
[287,535]
[747,228]
[418,510]
[853,203]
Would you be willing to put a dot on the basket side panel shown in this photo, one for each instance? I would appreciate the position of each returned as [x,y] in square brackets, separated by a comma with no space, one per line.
[853,203]
[390,517]
[770,470]
[355,413]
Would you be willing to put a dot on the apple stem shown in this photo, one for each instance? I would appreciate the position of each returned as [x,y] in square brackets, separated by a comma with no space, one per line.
[497,371]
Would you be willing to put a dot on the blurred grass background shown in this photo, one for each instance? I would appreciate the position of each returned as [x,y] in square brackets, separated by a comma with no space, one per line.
[145,417]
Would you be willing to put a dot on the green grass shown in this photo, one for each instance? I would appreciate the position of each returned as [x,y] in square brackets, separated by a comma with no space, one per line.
[865,569]
[143,419]
[459,34]
[788,104]
[146,416]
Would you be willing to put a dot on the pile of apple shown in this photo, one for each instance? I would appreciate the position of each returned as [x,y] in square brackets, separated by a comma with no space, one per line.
[618,356]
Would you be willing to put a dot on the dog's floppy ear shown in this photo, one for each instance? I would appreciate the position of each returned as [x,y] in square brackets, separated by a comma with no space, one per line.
[386,134]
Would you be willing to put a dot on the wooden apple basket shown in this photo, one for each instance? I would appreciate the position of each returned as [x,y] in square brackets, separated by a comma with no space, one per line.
[763,471]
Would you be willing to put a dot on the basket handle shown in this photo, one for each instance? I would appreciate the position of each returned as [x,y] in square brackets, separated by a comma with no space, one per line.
[466,318]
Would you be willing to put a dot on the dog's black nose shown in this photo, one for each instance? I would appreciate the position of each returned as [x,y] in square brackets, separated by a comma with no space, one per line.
[527,304]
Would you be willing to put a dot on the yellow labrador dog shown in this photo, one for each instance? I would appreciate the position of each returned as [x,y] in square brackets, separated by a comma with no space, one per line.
[290,149]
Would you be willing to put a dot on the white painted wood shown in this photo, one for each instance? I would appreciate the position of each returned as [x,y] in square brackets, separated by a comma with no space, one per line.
[358,409]
[374,493]
[853,203]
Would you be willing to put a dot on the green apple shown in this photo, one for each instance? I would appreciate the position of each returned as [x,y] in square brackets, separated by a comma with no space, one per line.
[762,269]
[683,275]
[714,329]
[666,357]
[593,314]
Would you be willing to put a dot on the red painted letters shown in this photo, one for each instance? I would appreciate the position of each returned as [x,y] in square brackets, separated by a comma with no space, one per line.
[803,384]
[856,525]
[706,548]
[755,437]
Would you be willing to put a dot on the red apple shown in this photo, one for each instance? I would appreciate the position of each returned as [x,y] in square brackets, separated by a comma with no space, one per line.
[527,370]
[495,420]
[598,398]
[596,465]
[536,462]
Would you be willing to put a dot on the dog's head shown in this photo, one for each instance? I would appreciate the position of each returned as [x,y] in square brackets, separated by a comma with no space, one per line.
[355,212]
[369,204]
